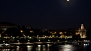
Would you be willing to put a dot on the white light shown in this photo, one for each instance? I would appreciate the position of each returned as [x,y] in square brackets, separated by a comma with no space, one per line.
[28,40]
[17,40]
[48,40]
[45,36]
[39,40]
[28,46]
[86,44]
[17,46]
[68,48]
[67,0]
[48,45]
[7,44]
[3,41]
[39,45]
[13,37]
[30,37]
[27,36]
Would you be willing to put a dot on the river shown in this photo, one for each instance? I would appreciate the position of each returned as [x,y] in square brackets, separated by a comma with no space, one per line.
[50,47]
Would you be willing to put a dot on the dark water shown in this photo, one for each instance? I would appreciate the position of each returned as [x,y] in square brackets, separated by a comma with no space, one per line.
[50,47]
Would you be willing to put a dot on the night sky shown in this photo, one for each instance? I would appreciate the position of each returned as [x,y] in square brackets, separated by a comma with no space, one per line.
[50,14]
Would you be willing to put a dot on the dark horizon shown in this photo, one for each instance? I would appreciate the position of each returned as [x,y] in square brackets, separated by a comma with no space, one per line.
[55,14]
[22,26]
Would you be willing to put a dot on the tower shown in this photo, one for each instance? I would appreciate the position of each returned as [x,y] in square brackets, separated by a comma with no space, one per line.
[82,26]
[82,31]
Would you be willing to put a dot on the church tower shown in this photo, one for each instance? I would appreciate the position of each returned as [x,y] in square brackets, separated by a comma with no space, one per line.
[82,31]
[82,26]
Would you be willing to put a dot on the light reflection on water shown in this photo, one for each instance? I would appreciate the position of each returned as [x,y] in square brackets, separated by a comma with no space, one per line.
[67,48]
[46,47]
[18,47]
[29,48]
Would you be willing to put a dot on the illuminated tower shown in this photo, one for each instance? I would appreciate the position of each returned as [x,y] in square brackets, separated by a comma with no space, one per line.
[82,31]
[82,26]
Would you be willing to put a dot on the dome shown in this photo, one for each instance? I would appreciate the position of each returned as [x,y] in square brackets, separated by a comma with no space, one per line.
[5,25]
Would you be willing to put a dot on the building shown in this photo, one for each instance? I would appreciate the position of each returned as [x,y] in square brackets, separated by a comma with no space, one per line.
[5,25]
[82,31]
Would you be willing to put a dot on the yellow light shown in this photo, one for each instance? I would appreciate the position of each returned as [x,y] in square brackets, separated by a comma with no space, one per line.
[0,35]
[77,33]
[31,31]
[53,32]
[21,31]
[60,32]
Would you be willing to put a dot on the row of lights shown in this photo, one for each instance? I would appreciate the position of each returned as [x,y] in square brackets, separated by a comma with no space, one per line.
[50,32]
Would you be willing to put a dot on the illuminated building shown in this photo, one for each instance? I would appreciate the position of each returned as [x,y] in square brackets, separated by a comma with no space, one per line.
[82,31]
[29,31]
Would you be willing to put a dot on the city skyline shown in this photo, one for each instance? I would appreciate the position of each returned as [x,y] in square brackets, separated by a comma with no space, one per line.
[48,14]
[9,29]
[5,25]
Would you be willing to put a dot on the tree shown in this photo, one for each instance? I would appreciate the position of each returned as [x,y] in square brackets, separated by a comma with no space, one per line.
[13,32]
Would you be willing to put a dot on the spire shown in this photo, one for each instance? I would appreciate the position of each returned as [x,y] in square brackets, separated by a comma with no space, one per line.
[82,26]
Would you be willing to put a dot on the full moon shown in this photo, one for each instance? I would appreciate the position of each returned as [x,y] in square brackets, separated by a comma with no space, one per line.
[68,0]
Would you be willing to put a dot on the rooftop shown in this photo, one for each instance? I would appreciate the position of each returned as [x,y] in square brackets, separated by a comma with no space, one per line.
[6,24]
